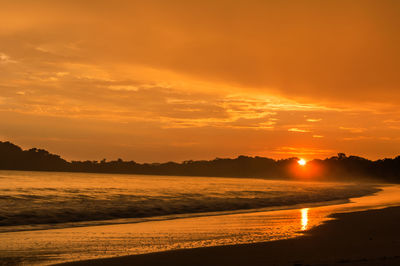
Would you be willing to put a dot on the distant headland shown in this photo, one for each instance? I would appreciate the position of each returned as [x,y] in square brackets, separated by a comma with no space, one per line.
[340,167]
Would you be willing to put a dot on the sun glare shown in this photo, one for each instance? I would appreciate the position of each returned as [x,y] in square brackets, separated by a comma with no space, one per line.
[304,218]
[302,162]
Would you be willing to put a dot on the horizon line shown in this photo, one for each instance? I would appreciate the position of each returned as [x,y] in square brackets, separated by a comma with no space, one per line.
[338,155]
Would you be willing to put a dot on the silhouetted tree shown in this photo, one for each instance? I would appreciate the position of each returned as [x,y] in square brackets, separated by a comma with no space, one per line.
[340,167]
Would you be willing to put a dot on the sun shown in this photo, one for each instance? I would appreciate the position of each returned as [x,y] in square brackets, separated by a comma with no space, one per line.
[302,162]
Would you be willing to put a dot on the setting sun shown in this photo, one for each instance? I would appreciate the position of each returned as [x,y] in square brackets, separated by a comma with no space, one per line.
[302,162]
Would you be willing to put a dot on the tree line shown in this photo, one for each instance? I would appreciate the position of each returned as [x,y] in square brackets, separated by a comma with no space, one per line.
[340,167]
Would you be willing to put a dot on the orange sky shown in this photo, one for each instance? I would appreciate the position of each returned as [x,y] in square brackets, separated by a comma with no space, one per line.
[175,80]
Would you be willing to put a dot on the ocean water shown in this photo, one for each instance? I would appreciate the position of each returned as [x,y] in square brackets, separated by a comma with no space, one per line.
[47,218]
[38,200]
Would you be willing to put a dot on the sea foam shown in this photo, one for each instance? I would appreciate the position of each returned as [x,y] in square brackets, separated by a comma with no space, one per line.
[41,198]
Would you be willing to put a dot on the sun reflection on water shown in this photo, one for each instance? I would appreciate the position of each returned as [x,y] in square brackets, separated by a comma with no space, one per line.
[304,218]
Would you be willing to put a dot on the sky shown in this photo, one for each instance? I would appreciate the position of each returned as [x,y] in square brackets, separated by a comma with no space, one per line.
[157,81]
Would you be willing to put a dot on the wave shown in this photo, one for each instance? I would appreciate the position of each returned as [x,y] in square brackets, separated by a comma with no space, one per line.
[36,206]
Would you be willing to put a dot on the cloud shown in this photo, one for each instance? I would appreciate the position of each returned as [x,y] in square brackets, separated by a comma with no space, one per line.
[296,151]
[353,129]
[295,129]
[311,56]
[5,59]
[123,88]
[313,120]
[230,76]
[357,138]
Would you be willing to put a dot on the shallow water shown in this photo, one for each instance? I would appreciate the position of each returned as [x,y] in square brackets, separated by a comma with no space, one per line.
[43,200]
[122,237]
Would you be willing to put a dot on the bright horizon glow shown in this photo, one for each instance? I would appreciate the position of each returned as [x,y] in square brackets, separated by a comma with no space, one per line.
[302,162]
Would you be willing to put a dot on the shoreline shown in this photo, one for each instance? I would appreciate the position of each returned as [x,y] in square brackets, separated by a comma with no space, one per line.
[373,189]
[369,237]
[98,243]
[127,221]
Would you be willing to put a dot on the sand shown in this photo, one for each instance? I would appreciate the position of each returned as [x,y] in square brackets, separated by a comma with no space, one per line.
[360,238]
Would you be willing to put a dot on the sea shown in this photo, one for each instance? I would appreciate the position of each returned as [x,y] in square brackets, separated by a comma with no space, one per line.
[53,217]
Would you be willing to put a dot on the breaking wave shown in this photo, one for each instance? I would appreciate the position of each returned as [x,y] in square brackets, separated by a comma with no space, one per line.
[35,198]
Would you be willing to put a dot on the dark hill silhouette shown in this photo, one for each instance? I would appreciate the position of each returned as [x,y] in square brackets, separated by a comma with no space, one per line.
[340,167]
[13,157]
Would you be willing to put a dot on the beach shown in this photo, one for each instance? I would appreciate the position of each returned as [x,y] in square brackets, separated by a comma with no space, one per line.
[209,133]
[359,238]
[74,217]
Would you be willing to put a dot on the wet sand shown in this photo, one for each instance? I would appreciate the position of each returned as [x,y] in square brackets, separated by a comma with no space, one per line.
[359,238]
